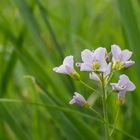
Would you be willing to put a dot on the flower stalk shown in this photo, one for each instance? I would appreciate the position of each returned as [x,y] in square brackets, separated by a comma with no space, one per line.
[105,108]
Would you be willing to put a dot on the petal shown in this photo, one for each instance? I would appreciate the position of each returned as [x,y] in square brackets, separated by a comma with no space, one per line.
[72,101]
[116,87]
[68,61]
[123,80]
[69,70]
[79,96]
[94,76]
[103,67]
[85,67]
[108,70]
[128,64]
[130,86]
[100,54]
[60,69]
[125,55]
[116,51]
[87,56]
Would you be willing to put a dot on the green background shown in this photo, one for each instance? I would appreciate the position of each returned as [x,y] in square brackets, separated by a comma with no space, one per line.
[35,36]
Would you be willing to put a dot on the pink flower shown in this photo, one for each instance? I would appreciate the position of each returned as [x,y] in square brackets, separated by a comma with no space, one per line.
[121,58]
[123,85]
[93,60]
[67,67]
[78,100]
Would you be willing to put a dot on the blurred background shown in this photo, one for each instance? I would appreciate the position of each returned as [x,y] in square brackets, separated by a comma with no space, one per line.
[35,36]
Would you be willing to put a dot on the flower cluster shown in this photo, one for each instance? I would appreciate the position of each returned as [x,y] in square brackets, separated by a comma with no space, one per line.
[101,65]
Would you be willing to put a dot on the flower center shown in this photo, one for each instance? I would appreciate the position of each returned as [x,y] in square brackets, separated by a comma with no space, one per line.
[118,65]
[96,65]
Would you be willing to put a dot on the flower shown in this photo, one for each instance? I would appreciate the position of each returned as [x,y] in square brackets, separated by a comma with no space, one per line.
[106,74]
[93,60]
[121,58]
[123,85]
[67,68]
[78,99]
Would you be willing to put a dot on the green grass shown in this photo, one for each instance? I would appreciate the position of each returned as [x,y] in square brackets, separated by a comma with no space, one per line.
[35,36]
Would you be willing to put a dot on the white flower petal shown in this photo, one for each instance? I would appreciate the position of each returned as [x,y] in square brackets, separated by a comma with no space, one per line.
[100,54]
[60,69]
[94,76]
[116,86]
[72,101]
[108,70]
[128,64]
[69,70]
[85,67]
[130,86]
[67,67]
[68,61]
[87,56]
[123,80]
[116,51]
[125,55]
[103,67]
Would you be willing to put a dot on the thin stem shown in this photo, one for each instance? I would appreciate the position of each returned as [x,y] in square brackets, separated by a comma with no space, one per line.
[115,121]
[93,110]
[82,82]
[110,76]
[105,108]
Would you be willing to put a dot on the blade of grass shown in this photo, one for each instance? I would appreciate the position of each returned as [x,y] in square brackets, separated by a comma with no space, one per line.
[63,109]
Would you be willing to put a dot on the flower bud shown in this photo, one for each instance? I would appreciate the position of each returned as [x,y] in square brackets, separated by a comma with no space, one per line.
[79,100]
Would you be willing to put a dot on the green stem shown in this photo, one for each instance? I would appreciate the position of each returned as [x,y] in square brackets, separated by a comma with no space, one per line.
[115,121]
[110,76]
[82,82]
[105,108]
